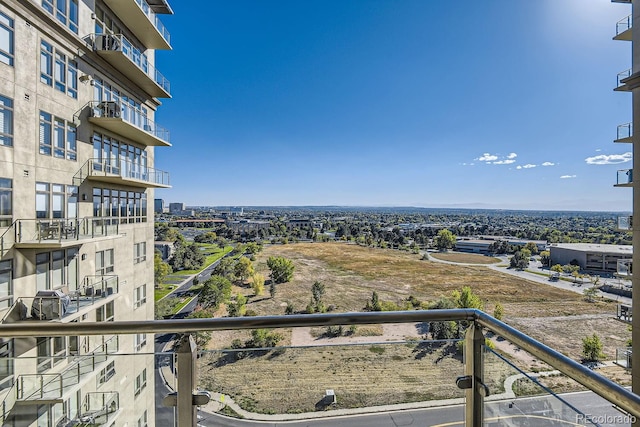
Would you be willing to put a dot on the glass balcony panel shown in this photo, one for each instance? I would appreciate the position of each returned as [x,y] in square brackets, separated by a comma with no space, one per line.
[625,223]
[624,133]
[623,29]
[130,122]
[123,171]
[540,398]
[145,24]
[625,178]
[57,233]
[620,85]
[294,380]
[98,398]
[131,61]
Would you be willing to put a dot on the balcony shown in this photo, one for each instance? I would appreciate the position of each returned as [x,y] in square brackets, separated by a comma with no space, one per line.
[624,133]
[624,269]
[58,233]
[622,77]
[625,178]
[623,29]
[122,172]
[64,305]
[139,17]
[625,223]
[130,61]
[52,389]
[457,382]
[131,123]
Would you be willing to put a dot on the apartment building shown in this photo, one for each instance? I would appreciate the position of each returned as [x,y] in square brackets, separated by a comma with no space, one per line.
[79,91]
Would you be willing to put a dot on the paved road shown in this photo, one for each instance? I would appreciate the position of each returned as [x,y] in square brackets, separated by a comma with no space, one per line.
[540,411]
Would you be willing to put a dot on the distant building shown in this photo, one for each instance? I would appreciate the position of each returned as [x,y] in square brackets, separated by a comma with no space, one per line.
[176,208]
[481,244]
[158,205]
[591,256]
[245,225]
[299,223]
[166,249]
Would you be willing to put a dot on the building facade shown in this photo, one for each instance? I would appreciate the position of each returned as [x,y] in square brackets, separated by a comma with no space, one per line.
[590,256]
[78,96]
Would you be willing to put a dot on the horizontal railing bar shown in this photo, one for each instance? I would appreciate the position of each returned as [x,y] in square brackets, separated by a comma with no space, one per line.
[33,329]
[599,384]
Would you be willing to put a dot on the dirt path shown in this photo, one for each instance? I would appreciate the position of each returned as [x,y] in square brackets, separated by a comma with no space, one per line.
[391,332]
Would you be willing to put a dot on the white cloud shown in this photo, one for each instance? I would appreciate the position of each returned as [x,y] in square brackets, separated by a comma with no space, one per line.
[512,156]
[598,150]
[486,157]
[529,166]
[567,176]
[504,162]
[609,159]
[548,164]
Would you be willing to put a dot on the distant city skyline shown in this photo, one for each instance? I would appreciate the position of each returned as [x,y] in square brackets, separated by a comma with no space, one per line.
[496,105]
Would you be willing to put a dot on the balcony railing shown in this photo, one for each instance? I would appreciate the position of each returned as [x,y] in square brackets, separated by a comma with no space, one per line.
[620,84]
[623,29]
[99,408]
[123,171]
[624,133]
[625,223]
[129,60]
[624,268]
[55,233]
[480,387]
[124,120]
[624,178]
[53,388]
[60,304]
[139,17]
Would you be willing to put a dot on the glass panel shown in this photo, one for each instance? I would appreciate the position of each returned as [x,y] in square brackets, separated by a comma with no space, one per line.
[42,271]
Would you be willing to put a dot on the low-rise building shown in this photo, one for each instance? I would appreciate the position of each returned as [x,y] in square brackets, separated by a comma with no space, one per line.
[590,256]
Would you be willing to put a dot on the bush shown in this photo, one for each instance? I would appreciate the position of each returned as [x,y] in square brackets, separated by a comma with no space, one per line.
[592,348]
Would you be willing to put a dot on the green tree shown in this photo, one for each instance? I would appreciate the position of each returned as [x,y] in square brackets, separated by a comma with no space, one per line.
[263,338]
[519,260]
[202,338]
[317,292]
[225,268]
[445,240]
[216,291]
[253,248]
[443,330]
[592,348]
[531,247]
[164,308]
[590,293]
[257,283]
[243,269]
[557,268]
[373,304]
[187,257]
[281,269]
[208,237]
[238,307]
[467,299]
[545,258]
[160,268]
[498,311]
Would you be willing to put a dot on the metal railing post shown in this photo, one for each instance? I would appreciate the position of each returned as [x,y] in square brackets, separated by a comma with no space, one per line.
[474,368]
[186,378]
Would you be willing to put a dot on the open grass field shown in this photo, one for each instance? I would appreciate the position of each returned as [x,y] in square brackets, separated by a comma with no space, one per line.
[464,258]
[350,273]
[295,379]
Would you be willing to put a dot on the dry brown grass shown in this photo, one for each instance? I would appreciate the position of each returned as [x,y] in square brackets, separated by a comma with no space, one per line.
[464,258]
[351,273]
[295,380]
[562,384]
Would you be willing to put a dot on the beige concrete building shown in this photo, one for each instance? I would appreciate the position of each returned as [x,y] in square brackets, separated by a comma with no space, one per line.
[591,256]
[78,95]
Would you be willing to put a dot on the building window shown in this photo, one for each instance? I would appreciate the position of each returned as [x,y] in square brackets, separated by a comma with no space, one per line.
[57,137]
[104,262]
[61,73]
[105,313]
[57,269]
[65,11]
[119,158]
[50,350]
[6,39]
[130,206]
[6,196]
[141,382]
[142,421]
[104,23]
[6,284]
[140,296]
[55,201]
[139,252]
[106,373]
[140,340]
[6,364]
[6,121]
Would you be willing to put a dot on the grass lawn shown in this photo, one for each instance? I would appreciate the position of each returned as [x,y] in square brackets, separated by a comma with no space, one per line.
[162,290]
[212,252]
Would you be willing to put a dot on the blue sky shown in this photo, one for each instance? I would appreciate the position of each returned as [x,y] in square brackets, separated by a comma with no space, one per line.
[497,104]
